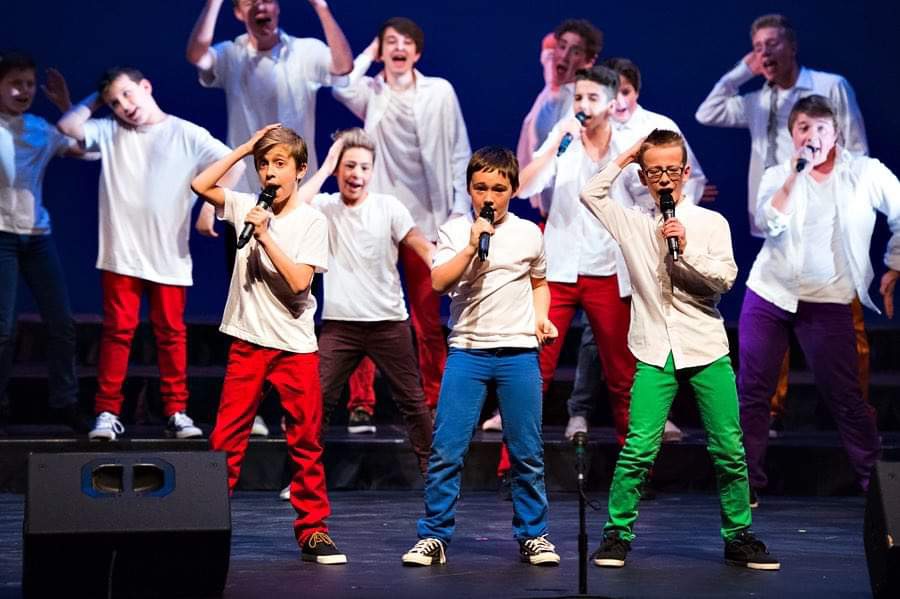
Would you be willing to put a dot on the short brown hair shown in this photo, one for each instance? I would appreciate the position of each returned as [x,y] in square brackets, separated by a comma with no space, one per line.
[593,37]
[355,138]
[494,158]
[406,27]
[659,138]
[11,60]
[777,21]
[113,73]
[277,137]
[625,68]
[814,106]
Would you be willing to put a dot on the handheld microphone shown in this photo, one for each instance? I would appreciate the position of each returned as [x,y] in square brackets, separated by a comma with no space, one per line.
[667,207]
[580,442]
[802,162]
[266,197]
[567,138]
[484,240]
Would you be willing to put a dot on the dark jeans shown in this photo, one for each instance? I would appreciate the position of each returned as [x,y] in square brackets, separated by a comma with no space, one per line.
[343,344]
[35,257]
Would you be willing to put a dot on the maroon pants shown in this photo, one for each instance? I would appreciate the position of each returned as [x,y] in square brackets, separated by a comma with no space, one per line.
[121,314]
[296,378]
[609,316]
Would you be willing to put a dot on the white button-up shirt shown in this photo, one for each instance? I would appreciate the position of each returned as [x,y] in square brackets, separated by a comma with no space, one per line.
[576,244]
[864,186]
[673,304]
[641,123]
[725,108]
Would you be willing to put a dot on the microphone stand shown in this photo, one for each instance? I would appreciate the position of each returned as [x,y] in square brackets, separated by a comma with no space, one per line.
[580,442]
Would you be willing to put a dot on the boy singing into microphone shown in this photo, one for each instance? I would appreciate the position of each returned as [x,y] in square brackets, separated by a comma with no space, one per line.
[676,334]
[498,321]
[270,316]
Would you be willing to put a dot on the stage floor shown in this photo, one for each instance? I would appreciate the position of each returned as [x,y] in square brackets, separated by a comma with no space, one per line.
[678,552]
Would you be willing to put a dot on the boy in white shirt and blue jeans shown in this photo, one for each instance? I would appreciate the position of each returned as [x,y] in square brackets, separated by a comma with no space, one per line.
[498,323]
[269,314]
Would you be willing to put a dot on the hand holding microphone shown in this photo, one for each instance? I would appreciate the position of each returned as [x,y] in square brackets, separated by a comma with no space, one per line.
[568,137]
[266,197]
[484,239]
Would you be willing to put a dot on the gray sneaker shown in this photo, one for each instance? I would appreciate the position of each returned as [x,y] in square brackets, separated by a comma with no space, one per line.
[180,426]
[577,424]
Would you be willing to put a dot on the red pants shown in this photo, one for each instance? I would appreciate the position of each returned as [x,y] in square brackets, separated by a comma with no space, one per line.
[296,378]
[609,316]
[425,313]
[121,313]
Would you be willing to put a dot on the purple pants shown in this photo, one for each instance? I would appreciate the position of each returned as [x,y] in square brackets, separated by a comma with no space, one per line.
[827,338]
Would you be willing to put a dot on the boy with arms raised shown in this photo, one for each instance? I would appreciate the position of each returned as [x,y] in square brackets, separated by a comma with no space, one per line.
[676,334]
[498,321]
[149,158]
[269,314]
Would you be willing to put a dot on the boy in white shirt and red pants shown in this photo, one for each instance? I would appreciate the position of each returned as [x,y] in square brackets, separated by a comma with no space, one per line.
[269,314]
[149,158]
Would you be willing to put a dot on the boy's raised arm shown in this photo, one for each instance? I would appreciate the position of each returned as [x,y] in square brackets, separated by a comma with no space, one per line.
[206,184]
[72,122]
[202,35]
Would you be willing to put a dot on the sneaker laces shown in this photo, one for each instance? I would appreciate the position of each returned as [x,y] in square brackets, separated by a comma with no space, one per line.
[539,544]
[319,537]
[111,421]
[426,546]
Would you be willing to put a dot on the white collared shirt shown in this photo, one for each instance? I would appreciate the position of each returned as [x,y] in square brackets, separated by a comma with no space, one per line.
[300,66]
[641,123]
[724,107]
[576,243]
[673,305]
[863,186]
[443,141]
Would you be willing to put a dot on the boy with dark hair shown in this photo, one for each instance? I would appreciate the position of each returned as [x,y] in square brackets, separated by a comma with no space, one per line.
[498,322]
[364,314]
[27,248]
[149,158]
[269,314]
[818,212]
[423,149]
[677,335]
[584,265]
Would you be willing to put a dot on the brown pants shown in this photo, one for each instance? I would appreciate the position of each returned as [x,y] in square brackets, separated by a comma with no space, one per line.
[862,348]
[343,344]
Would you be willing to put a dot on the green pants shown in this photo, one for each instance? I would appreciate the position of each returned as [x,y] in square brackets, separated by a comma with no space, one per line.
[651,398]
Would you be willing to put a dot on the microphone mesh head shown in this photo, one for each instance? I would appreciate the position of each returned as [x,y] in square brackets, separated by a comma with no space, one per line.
[268,194]
[666,201]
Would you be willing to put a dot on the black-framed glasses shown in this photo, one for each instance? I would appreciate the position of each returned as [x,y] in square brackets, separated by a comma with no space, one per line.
[654,173]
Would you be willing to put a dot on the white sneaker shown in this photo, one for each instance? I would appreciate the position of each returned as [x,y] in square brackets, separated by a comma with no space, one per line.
[494,423]
[259,428]
[285,493]
[180,426]
[426,552]
[107,427]
[672,434]
[577,424]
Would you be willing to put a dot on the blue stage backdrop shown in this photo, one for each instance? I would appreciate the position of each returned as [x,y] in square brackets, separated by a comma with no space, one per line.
[489,51]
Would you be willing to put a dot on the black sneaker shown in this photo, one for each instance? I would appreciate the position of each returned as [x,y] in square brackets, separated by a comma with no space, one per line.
[427,552]
[321,549]
[747,551]
[611,552]
[360,422]
[538,552]
[754,498]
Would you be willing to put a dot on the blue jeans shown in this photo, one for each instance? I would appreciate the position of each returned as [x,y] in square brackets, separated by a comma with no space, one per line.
[463,389]
[35,257]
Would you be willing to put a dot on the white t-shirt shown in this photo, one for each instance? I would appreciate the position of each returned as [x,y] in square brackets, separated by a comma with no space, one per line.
[295,69]
[27,144]
[399,170]
[492,304]
[261,307]
[362,282]
[825,272]
[146,197]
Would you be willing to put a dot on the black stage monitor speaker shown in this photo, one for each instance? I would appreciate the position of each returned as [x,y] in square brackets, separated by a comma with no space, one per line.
[126,524]
[882,530]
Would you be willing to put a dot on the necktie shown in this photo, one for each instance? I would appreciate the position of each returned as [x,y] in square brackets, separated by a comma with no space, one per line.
[772,127]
